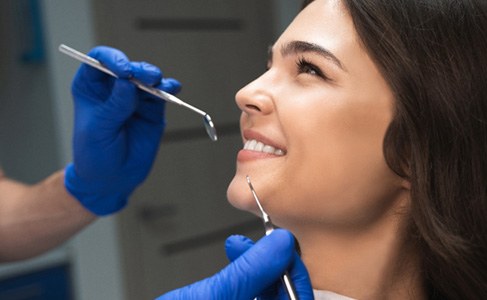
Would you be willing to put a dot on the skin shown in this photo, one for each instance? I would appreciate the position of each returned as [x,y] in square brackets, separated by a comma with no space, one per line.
[332,188]
[37,218]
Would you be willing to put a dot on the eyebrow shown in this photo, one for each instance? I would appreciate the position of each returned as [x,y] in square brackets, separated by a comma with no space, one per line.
[296,47]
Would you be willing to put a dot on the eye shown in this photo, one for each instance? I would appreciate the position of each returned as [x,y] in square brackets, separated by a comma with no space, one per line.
[306,67]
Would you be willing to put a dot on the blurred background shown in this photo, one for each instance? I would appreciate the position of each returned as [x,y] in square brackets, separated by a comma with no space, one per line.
[173,231]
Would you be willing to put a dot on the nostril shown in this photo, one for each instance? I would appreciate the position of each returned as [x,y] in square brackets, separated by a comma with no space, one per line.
[253,107]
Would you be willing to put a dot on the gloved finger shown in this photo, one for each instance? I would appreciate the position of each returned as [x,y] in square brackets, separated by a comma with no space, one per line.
[151,111]
[121,104]
[114,59]
[261,265]
[148,123]
[146,73]
[170,85]
[95,84]
[247,276]
[236,245]
[300,278]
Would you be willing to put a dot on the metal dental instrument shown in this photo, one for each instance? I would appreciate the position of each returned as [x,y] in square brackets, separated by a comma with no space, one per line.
[209,126]
[269,227]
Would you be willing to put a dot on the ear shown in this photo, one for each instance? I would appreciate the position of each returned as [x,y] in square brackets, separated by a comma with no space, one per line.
[406,184]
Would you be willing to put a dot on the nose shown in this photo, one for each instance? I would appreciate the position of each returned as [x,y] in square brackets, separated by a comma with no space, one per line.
[256,97]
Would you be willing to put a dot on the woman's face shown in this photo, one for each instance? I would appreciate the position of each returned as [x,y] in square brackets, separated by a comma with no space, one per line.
[323,108]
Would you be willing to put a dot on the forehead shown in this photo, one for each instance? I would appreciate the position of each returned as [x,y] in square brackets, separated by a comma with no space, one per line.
[324,22]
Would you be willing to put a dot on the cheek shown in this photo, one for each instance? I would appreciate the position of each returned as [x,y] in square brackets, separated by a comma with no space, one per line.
[337,172]
[342,190]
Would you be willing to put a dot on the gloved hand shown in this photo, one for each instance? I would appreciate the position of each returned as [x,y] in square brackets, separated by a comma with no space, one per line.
[117,130]
[256,269]
[236,246]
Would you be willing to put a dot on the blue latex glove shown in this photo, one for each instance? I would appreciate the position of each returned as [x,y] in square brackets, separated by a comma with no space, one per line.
[117,130]
[255,269]
[236,246]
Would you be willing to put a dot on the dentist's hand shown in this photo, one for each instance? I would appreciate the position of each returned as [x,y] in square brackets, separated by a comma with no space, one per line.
[255,271]
[236,246]
[117,130]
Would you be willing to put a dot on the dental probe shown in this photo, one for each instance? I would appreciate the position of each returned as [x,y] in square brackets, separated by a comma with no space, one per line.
[209,126]
[269,227]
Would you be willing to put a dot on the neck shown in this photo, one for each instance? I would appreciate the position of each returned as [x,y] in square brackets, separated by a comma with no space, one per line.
[373,262]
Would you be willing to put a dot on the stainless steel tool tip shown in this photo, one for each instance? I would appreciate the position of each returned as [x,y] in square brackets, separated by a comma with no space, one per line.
[264,214]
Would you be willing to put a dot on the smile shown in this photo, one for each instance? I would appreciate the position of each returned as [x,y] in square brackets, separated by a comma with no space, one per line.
[254,145]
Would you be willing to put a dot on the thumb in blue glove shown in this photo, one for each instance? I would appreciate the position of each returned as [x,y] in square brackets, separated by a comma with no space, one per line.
[117,130]
[237,245]
[258,267]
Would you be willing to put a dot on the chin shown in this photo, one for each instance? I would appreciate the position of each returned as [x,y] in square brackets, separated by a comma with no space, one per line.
[239,195]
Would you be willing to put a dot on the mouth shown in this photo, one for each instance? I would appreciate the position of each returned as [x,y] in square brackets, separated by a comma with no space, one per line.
[258,146]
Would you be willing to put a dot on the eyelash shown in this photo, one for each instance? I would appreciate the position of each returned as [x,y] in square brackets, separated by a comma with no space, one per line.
[305,66]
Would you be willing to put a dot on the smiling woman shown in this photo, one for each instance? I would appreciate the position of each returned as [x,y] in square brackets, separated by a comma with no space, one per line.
[378,110]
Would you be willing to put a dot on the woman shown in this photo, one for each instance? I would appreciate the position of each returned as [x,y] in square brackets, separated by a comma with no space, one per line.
[366,138]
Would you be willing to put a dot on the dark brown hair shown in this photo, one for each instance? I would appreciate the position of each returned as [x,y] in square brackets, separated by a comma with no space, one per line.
[433,54]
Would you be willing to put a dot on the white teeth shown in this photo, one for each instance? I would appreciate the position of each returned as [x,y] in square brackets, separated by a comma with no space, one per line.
[279,152]
[254,145]
[259,147]
[268,149]
[251,145]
